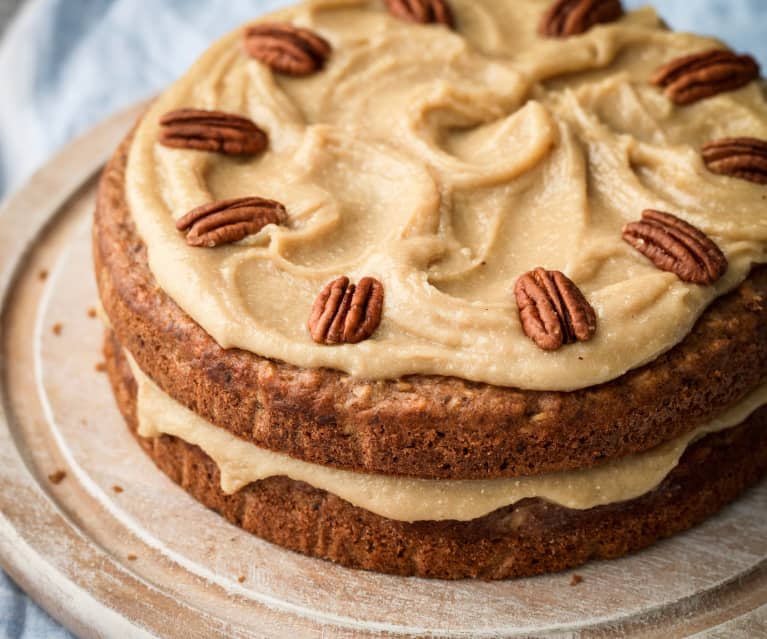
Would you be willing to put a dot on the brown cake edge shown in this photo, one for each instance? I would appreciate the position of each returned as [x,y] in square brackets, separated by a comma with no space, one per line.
[529,538]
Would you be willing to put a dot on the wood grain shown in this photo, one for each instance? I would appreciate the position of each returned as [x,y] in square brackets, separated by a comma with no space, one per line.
[149,561]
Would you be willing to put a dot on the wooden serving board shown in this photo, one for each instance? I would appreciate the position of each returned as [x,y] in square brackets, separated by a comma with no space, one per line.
[145,560]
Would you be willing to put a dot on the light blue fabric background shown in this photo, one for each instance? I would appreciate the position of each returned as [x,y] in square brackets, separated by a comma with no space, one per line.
[66,64]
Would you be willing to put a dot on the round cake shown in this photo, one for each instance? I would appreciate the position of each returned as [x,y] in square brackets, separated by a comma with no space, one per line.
[465,288]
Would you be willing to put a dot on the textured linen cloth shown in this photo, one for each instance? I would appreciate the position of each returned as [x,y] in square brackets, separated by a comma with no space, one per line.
[66,64]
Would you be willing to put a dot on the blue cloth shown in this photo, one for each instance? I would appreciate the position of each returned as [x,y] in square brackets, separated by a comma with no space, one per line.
[66,64]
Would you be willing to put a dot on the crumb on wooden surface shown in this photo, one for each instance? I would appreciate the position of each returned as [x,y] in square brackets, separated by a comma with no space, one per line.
[101,367]
[577,579]
[57,328]
[241,579]
[57,477]
[93,313]
[118,489]
[132,557]
[42,275]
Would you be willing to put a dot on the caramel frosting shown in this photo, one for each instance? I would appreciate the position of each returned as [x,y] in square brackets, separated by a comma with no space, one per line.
[405,499]
[445,164]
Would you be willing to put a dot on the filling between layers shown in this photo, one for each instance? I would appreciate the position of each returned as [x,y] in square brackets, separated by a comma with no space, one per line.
[408,499]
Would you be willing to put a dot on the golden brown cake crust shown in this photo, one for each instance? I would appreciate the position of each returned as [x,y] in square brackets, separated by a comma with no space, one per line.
[530,538]
[422,426]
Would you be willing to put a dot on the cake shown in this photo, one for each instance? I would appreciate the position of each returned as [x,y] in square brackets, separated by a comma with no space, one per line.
[449,289]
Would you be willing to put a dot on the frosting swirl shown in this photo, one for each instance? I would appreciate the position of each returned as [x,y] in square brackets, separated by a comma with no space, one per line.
[446,164]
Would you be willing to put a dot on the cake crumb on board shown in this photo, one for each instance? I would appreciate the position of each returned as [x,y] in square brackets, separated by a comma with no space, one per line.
[117,489]
[93,313]
[577,579]
[241,579]
[57,328]
[57,477]
[101,367]
[132,557]
[42,275]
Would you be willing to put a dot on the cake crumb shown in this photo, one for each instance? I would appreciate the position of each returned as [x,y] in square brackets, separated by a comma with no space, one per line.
[57,477]
[101,367]
[118,489]
[93,313]
[57,328]
[42,275]
[241,579]
[132,557]
[577,579]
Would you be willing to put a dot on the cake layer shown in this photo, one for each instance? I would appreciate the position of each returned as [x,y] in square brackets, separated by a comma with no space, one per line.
[241,463]
[446,163]
[427,427]
[531,537]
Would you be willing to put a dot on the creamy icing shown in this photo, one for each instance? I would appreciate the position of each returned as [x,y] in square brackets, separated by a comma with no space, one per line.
[406,499]
[446,164]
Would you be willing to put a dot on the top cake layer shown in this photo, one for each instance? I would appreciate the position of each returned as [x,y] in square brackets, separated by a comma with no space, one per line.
[447,163]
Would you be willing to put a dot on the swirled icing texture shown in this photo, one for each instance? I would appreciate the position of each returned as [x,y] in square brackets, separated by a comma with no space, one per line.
[446,164]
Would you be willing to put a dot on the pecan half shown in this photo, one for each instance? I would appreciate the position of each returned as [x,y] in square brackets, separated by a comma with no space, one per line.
[230,221]
[347,314]
[422,11]
[571,17]
[287,49]
[213,131]
[744,158]
[552,309]
[678,247]
[702,75]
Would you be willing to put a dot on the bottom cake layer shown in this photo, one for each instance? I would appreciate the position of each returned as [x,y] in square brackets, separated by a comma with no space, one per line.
[528,538]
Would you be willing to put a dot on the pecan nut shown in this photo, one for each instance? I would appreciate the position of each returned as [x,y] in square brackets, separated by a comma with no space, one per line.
[572,17]
[213,131]
[229,221]
[744,158]
[347,314]
[702,75]
[678,247]
[552,309]
[422,11]
[287,49]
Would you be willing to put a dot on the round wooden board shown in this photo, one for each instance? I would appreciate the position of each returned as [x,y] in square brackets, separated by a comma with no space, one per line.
[148,561]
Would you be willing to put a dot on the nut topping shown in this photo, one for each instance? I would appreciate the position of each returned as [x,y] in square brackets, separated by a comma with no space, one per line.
[552,309]
[347,314]
[287,49]
[213,131]
[571,17]
[678,247]
[422,11]
[230,221]
[744,158]
[703,75]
